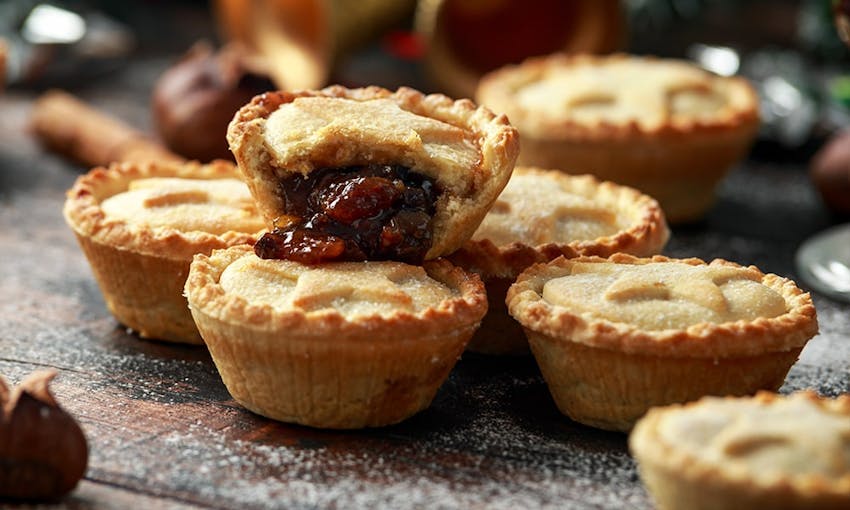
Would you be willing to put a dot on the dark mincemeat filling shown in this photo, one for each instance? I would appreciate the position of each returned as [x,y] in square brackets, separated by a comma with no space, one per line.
[371,212]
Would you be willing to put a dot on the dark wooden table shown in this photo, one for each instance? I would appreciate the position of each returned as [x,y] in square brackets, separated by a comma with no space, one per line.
[164,432]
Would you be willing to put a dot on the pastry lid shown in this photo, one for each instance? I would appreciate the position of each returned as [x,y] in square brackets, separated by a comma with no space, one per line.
[663,306]
[542,214]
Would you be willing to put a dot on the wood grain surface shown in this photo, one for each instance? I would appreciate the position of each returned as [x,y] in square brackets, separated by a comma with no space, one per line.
[164,433]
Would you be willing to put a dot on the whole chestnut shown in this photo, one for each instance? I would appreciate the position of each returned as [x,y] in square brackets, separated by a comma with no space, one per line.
[830,172]
[43,452]
[195,99]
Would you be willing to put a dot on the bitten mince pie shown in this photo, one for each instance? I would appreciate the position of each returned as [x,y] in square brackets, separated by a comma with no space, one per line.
[139,226]
[335,345]
[767,451]
[616,336]
[369,174]
[665,127]
[541,215]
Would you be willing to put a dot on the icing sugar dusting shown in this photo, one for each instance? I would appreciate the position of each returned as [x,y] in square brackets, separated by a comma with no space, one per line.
[489,442]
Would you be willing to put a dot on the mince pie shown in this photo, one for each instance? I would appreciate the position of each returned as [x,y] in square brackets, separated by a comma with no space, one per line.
[543,214]
[139,226]
[666,127]
[767,451]
[616,336]
[369,174]
[335,345]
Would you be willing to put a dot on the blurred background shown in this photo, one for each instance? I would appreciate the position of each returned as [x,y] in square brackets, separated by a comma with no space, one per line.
[788,48]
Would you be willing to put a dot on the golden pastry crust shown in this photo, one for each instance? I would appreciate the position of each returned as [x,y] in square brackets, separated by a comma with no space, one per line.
[767,451]
[467,150]
[499,89]
[141,270]
[754,328]
[319,324]
[534,213]
[789,330]
[637,224]
[673,135]
[85,215]
[357,363]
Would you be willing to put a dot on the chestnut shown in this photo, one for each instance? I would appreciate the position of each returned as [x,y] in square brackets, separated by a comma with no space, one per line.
[43,452]
[830,172]
[195,99]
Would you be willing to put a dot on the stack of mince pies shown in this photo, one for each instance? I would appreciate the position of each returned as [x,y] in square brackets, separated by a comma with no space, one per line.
[344,315]
[328,303]
[338,274]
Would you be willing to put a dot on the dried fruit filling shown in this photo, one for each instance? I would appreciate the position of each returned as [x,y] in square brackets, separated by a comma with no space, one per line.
[371,212]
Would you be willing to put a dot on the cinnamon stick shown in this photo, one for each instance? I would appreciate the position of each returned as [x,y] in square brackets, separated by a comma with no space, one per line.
[69,126]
